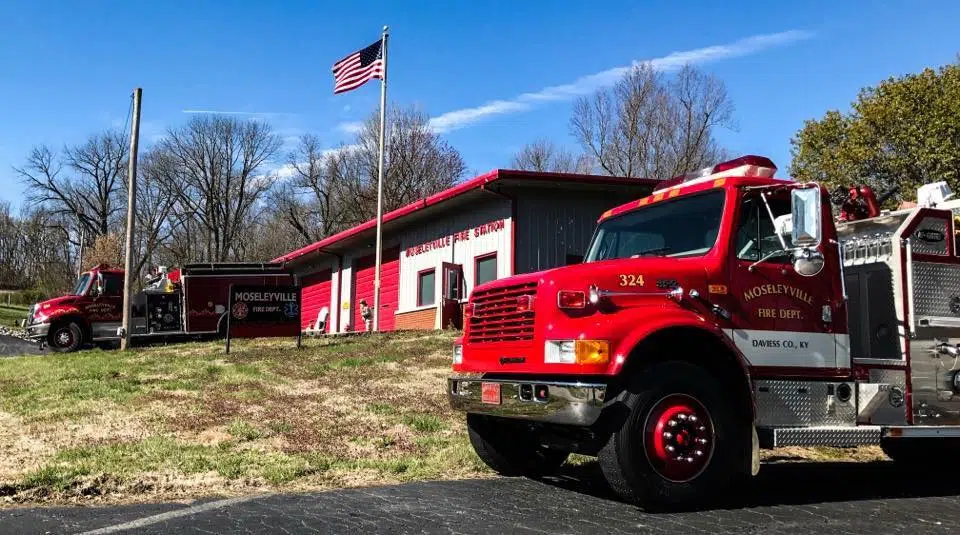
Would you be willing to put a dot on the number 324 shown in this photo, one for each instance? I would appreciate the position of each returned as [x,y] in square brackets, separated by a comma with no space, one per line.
[631,280]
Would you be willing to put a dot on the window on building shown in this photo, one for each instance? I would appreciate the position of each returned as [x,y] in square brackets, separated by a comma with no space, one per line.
[485,268]
[756,237]
[426,287]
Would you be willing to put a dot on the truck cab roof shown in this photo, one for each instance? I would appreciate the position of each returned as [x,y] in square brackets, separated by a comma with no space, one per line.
[744,171]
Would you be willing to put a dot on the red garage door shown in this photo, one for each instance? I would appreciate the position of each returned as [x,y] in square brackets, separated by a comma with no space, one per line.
[363,274]
[314,295]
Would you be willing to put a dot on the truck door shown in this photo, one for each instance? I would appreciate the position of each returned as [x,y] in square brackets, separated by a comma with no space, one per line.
[106,311]
[777,318]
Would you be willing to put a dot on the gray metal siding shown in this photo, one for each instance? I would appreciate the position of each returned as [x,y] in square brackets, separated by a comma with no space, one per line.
[554,224]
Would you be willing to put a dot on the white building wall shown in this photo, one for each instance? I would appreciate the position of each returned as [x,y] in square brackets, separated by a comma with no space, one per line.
[458,237]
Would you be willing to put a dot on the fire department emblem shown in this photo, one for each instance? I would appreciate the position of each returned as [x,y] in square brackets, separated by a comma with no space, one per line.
[240,310]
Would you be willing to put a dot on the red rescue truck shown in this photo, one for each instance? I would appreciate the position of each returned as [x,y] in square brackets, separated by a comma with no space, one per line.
[724,313]
[189,302]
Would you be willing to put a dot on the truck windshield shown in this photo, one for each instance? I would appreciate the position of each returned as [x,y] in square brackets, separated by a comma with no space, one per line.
[687,226]
[81,284]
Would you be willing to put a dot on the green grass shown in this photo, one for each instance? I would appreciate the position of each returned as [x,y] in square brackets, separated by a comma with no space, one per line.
[341,411]
[11,315]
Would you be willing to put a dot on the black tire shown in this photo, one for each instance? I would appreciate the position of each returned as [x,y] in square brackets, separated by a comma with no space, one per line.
[511,451]
[65,337]
[921,452]
[682,405]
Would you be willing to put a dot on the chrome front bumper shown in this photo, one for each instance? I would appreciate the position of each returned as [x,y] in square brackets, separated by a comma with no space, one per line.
[570,403]
[38,331]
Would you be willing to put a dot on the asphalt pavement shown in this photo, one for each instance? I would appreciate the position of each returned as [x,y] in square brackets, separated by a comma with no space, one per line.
[11,346]
[814,498]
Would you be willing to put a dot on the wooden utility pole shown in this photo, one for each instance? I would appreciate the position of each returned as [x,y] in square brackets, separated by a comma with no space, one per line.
[128,279]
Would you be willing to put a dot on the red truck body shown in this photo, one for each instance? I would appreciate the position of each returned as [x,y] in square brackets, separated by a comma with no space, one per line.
[187,302]
[725,312]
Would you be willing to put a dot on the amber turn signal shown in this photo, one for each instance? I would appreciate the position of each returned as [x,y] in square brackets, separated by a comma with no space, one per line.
[592,351]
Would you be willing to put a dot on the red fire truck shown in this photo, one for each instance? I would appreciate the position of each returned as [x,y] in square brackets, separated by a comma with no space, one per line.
[724,313]
[189,302]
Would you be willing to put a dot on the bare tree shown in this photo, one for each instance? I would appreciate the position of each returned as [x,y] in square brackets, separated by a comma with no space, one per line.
[650,126]
[546,157]
[83,183]
[418,163]
[155,203]
[307,201]
[216,172]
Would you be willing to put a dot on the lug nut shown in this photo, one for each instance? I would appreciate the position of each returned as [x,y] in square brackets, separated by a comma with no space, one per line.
[667,434]
[698,453]
[693,417]
[682,416]
[672,423]
[671,449]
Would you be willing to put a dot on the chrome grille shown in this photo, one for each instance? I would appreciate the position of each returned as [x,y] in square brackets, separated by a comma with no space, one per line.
[495,316]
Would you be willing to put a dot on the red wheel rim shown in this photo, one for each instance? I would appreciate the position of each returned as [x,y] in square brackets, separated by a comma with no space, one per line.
[678,437]
[64,337]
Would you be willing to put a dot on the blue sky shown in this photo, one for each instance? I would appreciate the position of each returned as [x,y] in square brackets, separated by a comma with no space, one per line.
[487,71]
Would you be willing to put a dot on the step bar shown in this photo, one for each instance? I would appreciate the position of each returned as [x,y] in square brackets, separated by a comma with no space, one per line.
[846,437]
[840,437]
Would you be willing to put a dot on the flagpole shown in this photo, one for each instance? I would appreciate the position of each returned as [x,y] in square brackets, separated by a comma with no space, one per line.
[383,120]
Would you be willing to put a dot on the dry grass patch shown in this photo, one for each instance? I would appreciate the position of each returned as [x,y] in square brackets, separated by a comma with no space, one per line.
[340,412]
[186,421]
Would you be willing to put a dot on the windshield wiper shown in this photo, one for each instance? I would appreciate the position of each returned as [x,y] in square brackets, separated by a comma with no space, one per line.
[658,251]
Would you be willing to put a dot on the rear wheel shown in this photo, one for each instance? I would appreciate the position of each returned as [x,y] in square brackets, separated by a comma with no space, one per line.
[920,452]
[681,443]
[65,337]
[511,451]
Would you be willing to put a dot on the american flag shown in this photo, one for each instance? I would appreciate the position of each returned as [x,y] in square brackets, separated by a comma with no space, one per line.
[354,70]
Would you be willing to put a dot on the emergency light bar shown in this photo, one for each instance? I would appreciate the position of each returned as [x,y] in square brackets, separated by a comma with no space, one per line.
[749,166]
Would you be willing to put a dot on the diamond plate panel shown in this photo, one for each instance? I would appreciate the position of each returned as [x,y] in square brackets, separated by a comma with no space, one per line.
[935,286]
[882,400]
[802,403]
[890,377]
[930,227]
[841,437]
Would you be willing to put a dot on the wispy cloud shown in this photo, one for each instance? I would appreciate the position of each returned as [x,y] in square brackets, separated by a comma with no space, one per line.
[351,127]
[587,84]
[287,170]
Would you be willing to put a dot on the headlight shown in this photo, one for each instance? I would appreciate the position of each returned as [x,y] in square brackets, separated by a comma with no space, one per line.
[457,354]
[576,352]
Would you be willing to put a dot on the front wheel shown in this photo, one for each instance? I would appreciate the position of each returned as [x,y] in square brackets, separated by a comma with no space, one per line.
[681,443]
[65,337]
[511,451]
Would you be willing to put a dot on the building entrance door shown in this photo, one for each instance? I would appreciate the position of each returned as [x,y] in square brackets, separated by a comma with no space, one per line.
[451,314]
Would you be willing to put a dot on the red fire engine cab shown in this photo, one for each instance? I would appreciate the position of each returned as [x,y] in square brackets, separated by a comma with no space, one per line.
[724,313]
[189,302]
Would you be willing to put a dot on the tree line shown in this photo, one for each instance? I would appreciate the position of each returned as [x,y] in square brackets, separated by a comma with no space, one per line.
[218,188]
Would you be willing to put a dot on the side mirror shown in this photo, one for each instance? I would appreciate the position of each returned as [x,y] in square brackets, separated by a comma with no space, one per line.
[807,226]
[807,262]
[98,286]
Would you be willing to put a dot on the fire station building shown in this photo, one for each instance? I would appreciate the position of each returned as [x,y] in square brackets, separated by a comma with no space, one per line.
[436,250]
